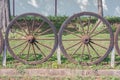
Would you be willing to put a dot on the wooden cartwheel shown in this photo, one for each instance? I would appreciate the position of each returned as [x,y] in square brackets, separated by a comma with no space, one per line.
[117,40]
[86,38]
[31,38]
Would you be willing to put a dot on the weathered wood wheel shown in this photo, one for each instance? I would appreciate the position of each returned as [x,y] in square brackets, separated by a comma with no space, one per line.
[31,38]
[1,42]
[86,38]
[117,40]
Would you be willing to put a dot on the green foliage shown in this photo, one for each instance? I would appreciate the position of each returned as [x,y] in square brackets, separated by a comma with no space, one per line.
[113,19]
[58,20]
[55,64]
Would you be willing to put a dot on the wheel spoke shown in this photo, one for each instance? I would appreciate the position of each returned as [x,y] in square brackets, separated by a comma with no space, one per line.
[33,23]
[21,27]
[77,49]
[88,27]
[82,26]
[44,39]
[27,26]
[34,51]
[72,33]
[99,45]
[99,32]
[100,39]
[28,54]
[73,45]
[83,50]
[20,34]
[23,49]
[89,52]
[46,31]
[94,28]
[94,50]
[40,50]
[16,39]
[19,45]
[37,30]
[44,45]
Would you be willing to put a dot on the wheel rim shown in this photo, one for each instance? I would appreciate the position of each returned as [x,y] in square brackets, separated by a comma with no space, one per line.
[82,40]
[31,38]
[117,40]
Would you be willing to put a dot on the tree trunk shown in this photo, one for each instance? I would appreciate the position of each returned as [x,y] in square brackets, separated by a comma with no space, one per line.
[55,7]
[1,10]
[100,7]
[4,14]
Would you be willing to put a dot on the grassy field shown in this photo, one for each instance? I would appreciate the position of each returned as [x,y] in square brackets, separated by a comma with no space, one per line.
[52,62]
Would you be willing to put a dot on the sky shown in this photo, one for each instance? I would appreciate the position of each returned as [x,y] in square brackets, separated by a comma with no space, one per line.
[65,7]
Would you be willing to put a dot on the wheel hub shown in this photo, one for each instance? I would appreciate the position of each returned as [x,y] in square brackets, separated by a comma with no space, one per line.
[31,39]
[85,39]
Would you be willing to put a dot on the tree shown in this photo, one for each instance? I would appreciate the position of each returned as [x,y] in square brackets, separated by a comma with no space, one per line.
[1,9]
[55,7]
[100,7]
[4,14]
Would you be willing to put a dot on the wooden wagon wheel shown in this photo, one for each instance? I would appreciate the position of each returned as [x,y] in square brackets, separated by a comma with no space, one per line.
[1,42]
[86,38]
[117,40]
[31,38]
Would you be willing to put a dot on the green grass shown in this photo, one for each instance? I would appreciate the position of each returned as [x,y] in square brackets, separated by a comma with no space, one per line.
[52,62]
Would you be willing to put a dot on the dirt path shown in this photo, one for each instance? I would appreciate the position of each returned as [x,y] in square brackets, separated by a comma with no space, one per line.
[58,72]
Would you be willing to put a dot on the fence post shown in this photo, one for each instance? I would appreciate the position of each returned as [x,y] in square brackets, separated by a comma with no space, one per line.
[113,58]
[4,54]
[58,54]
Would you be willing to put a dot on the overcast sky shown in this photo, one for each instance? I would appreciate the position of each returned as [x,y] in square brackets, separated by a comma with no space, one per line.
[65,7]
